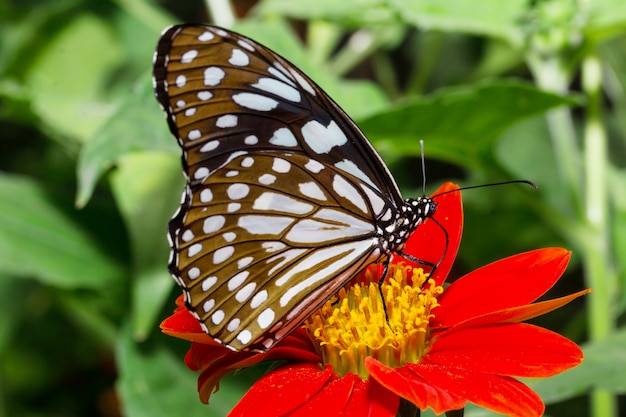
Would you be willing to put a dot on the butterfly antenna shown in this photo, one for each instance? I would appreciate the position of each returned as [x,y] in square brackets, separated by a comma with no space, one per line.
[423,168]
[493,184]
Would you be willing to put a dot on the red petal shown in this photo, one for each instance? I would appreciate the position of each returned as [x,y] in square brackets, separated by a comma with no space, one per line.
[513,349]
[331,400]
[407,385]
[506,283]
[498,393]
[371,399]
[183,325]
[429,242]
[521,313]
[282,391]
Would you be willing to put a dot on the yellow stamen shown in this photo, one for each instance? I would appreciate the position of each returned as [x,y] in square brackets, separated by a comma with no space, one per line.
[352,325]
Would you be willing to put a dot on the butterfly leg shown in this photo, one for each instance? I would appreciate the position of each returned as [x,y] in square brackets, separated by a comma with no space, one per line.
[383,276]
[432,266]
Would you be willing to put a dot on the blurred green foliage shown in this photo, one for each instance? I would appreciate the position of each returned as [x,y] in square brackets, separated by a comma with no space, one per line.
[498,90]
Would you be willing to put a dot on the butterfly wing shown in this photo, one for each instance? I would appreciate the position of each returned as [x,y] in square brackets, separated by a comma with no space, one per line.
[268,239]
[223,93]
[284,197]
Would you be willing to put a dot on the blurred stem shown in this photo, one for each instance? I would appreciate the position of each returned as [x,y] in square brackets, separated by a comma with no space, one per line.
[359,45]
[551,75]
[222,12]
[597,250]
[431,43]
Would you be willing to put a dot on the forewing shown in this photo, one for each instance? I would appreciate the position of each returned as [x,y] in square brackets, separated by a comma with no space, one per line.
[224,93]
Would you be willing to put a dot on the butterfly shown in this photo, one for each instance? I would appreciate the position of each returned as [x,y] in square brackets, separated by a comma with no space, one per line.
[286,200]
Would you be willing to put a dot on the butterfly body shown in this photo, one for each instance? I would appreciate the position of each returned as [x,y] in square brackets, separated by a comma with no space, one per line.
[285,202]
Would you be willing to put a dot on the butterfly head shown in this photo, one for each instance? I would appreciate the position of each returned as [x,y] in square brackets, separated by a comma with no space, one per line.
[420,209]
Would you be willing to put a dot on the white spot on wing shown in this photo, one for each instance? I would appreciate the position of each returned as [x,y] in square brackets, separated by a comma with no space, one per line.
[233,325]
[287,257]
[181,80]
[245,293]
[217,317]
[377,203]
[266,318]
[264,225]
[251,140]
[243,262]
[227,120]
[210,146]
[277,73]
[193,273]
[238,279]
[194,134]
[311,189]
[314,166]
[206,36]
[258,299]
[213,224]
[222,254]
[188,56]
[267,179]
[205,95]
[281,166]
[351,168]
[213,76]
[208,283]
[254,101]
[283,137]
[323,139]
[246,45]
[244,337]
[239,58]
[237,191]
[187,236]
[278,88]
[194,249]
[201,173]
[346,190]
[269,201]
[272,246]
[208,305]
[303,83]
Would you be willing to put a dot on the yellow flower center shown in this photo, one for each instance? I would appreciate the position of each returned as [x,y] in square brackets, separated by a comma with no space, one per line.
[354,324]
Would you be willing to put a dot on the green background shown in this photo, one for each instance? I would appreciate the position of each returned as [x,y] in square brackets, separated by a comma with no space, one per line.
[90,175]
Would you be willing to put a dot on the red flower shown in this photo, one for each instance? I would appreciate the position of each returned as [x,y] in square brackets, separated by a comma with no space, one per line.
[435,348]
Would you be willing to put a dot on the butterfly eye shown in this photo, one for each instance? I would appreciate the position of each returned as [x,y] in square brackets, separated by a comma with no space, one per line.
[286,200]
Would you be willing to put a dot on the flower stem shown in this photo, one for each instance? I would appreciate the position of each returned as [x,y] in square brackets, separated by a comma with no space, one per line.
[597,251]
[407,409]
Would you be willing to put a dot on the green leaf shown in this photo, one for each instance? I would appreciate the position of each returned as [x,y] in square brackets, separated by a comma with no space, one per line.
[494,18]
[607,18]
[68,78]
[138,124]
[155,383]
[38,240]
[369,11]
[147,187]
[458,124]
